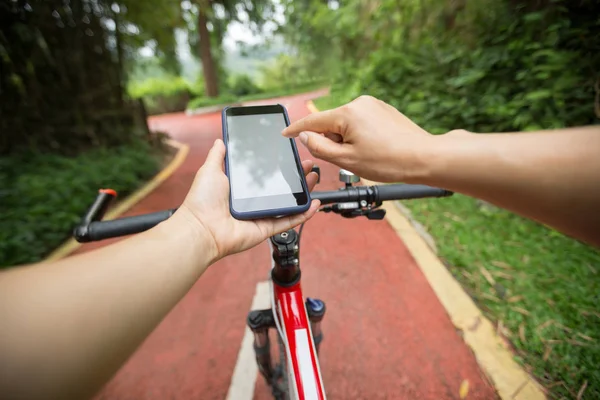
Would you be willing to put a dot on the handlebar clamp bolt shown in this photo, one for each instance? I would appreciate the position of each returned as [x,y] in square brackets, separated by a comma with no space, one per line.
[348,177]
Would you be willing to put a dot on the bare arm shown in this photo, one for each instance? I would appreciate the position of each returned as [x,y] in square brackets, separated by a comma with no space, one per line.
[550,176]
[67,327]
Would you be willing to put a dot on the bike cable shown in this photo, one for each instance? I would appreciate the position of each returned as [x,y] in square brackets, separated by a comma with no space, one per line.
[300,237]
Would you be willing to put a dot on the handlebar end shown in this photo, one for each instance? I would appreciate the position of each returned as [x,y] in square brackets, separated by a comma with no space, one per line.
[111,192]
[81,234]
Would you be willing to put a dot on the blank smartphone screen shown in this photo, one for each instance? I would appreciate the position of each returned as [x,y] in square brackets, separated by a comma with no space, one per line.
[263,170]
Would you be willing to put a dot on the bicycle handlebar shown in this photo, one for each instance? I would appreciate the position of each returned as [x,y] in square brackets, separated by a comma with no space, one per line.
[92,229]
[379,193]
[99,230]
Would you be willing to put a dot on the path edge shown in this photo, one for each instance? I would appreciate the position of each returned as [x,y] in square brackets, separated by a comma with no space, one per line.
[509,379]
[70,245]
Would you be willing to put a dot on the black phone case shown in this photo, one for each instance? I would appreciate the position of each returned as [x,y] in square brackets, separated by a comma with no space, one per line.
[278,212]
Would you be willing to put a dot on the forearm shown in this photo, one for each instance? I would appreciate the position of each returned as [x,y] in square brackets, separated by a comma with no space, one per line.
[79,319]
[552,176]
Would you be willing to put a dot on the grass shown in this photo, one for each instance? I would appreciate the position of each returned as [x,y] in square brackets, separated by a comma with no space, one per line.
[43,196]
[229,99]
[199,102]
[327,102]
[284,91]
[541,288]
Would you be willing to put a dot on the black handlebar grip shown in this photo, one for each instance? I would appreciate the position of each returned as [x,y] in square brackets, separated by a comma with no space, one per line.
[335,196]
[405,192]
[100,230]
[352,193]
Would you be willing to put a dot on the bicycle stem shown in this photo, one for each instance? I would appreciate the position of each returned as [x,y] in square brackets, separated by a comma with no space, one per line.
[286,270]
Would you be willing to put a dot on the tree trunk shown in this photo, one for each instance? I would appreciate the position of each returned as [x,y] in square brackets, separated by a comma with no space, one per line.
[208,64]
[120,56]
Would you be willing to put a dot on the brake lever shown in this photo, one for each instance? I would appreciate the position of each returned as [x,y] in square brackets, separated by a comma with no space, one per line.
[377,214]
[352,214]
[347,211]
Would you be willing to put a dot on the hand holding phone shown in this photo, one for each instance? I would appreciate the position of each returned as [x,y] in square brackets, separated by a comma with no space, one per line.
[206,210]
[264,169]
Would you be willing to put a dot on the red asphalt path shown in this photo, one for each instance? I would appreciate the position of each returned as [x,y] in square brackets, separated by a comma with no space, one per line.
[386,334]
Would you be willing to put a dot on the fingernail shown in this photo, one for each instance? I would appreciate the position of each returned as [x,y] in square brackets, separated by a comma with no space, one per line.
[303,138]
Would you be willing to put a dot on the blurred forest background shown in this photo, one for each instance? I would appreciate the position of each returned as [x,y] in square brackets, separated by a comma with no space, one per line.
[78,79]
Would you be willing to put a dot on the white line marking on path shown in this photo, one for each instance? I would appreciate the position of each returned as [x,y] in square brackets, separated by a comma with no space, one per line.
[246,370]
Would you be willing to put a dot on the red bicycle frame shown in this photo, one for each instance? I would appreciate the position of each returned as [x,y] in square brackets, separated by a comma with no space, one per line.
[304,374]
[297,375]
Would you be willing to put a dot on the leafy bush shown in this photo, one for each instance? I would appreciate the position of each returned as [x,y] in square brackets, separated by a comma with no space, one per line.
[487,66]
[165,94]
[227,99]
[283,91]
[242,85]
[167,86]
[512,81]
[43,196]
[200,102]
[288,72]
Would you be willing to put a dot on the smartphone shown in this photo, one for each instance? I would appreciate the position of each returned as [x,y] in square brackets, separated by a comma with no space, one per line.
[264,169]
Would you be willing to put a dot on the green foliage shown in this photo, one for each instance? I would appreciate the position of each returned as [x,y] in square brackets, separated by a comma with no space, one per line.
[329,102]
[164,94]
[272,94]
[317,35]
[552,277]
[166,86]
[229,99]
[242,85]
[65,66]
[514,80]
[200,102]
[152,24]
[283,77]
[43,196]
[488,66]
[288,72]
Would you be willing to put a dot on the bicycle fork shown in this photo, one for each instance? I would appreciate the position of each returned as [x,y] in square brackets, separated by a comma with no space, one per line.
[260,321]
[285,255]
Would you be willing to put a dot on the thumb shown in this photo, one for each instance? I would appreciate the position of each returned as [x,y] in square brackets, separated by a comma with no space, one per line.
[216,155]
[321,146]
